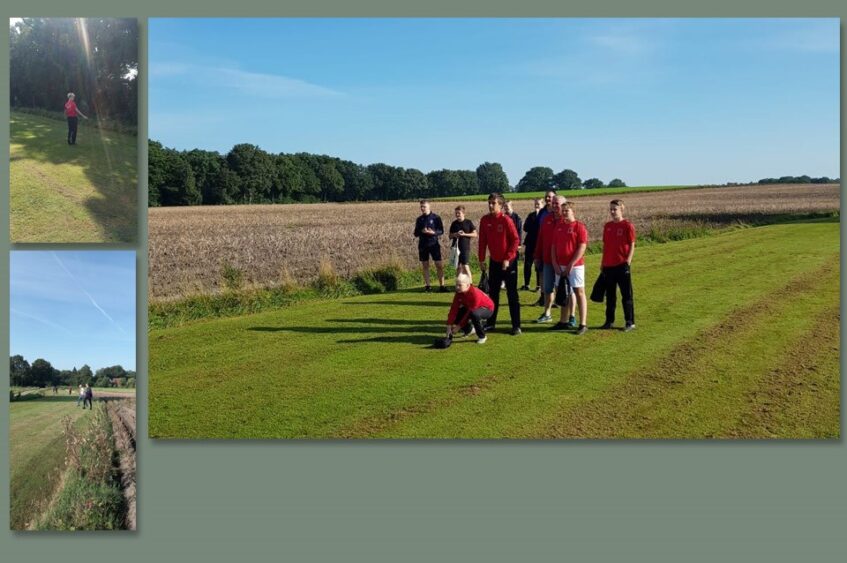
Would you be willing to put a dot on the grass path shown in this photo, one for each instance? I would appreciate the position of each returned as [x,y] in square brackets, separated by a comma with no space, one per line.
[62,193]
[720,321]
[36,453]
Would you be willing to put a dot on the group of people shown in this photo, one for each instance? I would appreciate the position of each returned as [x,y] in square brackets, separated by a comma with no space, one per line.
[554,248]
[85,396]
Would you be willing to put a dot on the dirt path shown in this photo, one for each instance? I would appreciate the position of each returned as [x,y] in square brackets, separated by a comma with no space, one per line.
[122,414]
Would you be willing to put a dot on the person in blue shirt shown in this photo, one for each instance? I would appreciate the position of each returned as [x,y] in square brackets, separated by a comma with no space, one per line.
[428,228]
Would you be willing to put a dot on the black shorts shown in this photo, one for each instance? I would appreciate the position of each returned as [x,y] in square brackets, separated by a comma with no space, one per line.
[464,257]
[434,250]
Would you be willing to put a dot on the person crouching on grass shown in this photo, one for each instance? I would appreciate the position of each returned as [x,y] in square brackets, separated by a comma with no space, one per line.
[570,239]
[618,250]
[71,112]
[471,307]
[498,235]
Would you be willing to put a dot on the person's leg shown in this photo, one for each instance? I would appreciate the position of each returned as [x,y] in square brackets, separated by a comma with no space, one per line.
[495,276]
[425,270]
[439,267]
[74,123]
[527,269]
[611,294]
[625,281]
[69,130]
[548,288]
[478,318]
[511,276]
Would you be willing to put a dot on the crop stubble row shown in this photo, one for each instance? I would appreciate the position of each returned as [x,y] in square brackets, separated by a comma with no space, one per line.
[188,247]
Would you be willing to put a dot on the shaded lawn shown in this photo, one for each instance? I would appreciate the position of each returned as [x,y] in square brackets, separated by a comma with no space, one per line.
[36,454]
[361,367]
[62,193]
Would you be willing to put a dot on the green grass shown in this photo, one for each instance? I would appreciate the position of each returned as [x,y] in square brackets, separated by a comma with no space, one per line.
[573,193]
[62,193]
[37,454]
[361,366]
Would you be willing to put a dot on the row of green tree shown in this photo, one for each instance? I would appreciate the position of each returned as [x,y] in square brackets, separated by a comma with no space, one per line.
[95,58]
[42,374]
[804,179]
[248,174]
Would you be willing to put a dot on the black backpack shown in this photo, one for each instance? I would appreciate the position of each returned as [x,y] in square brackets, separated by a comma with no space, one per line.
[442,343]
[483,282]
[563,291]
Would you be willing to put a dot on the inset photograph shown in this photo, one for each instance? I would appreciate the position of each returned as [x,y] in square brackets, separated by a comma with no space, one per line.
[73,132]
[72,390]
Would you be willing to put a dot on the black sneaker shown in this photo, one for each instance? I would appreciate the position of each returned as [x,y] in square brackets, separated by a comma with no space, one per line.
[581,330]
[427,289]
[560,326]
[524,287]
[629,327]
[488,328]
[607,326]
[442,289]
[516,331]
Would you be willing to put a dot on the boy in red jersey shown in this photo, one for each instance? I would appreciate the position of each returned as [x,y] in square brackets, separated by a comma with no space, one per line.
[618,249]
[570,239]
[498,235]
[544,256]
[471,306]
[71,112]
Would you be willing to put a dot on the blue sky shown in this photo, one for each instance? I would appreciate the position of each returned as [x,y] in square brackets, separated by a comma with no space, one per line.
[656,101]
[73,308]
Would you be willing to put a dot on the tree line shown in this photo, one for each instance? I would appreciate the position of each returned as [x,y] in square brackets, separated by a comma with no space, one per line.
[247,174]
[804,179]
[48,59]
[42,374]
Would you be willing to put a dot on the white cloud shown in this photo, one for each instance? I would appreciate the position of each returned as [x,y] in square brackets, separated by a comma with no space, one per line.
[255,84]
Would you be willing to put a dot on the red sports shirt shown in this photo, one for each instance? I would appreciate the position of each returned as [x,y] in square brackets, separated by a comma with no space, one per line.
[473,299]
[70,108]
[545,239]
[618,238]
[498,233]
[566,240]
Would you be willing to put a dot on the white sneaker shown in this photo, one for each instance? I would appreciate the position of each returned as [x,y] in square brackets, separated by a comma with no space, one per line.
[482,340]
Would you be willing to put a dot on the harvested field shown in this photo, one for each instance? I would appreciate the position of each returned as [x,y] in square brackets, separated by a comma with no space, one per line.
[122,415]
[273,244]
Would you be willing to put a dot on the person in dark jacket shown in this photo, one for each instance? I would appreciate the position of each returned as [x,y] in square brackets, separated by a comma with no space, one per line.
[530,227]
[428,228]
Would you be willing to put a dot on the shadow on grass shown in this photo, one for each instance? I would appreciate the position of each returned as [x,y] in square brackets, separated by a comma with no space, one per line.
[421,303]
[428,327]
[758,218]
[109,167]
[418,339]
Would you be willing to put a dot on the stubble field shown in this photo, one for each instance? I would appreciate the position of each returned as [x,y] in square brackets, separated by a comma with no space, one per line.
[274,244]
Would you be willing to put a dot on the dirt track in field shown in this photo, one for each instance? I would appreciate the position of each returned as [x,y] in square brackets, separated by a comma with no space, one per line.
[274,244]
[122,415]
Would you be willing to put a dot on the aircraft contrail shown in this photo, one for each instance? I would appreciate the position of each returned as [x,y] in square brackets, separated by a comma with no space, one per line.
[90,298]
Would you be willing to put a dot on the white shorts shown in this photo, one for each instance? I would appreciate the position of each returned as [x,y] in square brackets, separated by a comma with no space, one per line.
[577,276]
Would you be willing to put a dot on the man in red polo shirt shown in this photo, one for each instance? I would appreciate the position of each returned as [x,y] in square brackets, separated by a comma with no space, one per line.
[71,112]
[570,239]
[498,235]
[618,249]
[544,256]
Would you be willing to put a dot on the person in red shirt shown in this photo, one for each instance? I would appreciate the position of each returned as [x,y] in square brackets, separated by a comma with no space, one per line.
[618,249]
[471,306]
[544,256]
[570,239]
[497,235]
[71,112]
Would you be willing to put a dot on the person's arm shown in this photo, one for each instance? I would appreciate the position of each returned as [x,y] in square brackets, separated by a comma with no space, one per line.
[417,228]
[439,226]
[453,234]
[81,114]
[631,246]
[454,310]
[580,250]
[513,241]
[555,260]
[483,244]
[472,233]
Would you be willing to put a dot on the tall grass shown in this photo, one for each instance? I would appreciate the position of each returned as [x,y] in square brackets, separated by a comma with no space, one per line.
[91,498]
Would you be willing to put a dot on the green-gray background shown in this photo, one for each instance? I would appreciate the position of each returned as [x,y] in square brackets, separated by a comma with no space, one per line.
[434,501]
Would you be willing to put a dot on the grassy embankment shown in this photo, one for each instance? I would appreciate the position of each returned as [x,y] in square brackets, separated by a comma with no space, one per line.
[62,469]
[62,193]
[733,339]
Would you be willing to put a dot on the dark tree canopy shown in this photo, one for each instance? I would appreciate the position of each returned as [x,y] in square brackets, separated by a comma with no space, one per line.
[48,59]
[567,180]
[42,374]
[537,179]
[592,184]
[492,178]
